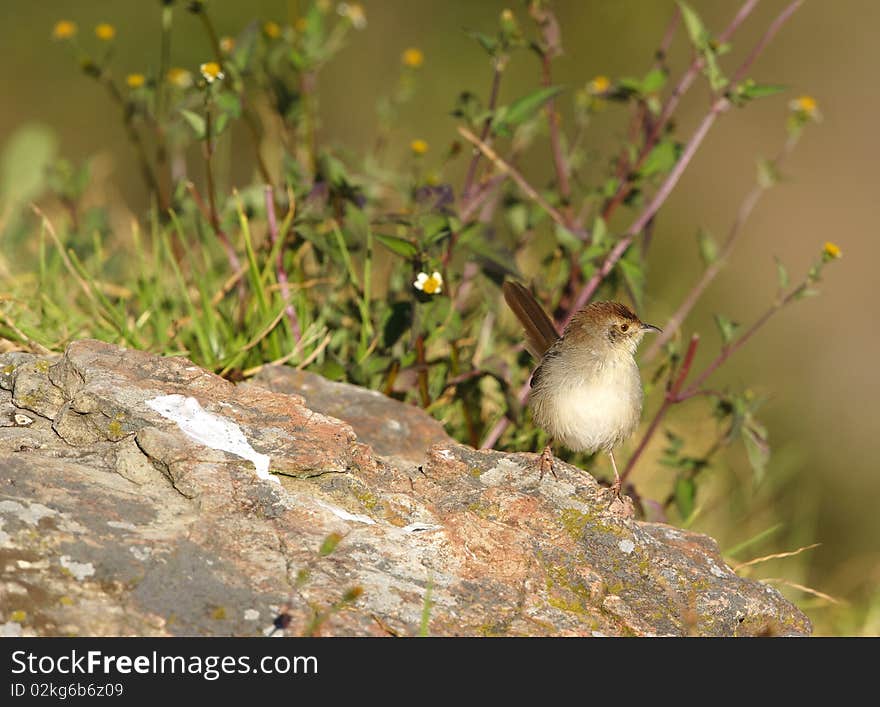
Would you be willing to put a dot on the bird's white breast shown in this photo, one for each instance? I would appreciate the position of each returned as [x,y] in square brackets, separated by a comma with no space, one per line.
[586,408]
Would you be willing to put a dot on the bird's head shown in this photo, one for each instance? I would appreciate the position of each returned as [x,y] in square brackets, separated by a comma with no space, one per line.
[608,326]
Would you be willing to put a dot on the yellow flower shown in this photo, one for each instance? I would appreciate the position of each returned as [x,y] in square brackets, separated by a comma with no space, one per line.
[429,284]
[419,147]
[179,77]
[301,24]
[507,15]
[135,80]
[227,45]
[413,58]
[211,71]
[105,32]
[599,85]
[832,251]
[354,13]
[272,30]
[805,104]
[64,29]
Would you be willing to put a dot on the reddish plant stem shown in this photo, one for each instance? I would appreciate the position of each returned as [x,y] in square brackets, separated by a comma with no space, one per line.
[280,273]
[766,38]
[231,255]
[508,169]
[668,36]
[670,399]
[676,395]
[728,351]
[484,133]
[559,164]
[424,393]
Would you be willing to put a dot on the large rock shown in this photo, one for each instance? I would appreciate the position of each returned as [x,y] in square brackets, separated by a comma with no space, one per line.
[134,501]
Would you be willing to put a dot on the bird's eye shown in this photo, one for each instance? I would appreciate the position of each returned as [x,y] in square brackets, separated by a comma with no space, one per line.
[624,327]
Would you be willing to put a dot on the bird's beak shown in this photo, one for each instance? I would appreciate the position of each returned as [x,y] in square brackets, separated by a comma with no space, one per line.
[651,327]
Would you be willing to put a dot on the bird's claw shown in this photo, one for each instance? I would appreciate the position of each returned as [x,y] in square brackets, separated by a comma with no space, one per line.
[547,462]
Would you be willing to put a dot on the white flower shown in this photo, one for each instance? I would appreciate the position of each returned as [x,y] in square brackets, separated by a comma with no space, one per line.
[429,284]
[211,71]
[354,12]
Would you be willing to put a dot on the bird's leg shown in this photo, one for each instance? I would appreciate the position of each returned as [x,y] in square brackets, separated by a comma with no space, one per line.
[616,485]
[547,462]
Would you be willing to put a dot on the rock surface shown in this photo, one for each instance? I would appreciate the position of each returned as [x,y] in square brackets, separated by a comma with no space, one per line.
[121,514]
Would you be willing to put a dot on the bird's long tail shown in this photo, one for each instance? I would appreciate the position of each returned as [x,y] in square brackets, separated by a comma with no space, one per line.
[541,332]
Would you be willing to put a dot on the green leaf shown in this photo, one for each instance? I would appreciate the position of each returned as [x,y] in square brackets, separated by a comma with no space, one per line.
[806,292]
[708,246]
[768,175]
[26,156]
[661,159]
[567,239]
[220,124]
[781,275]
[600,231]
[633,274]
[749,90]
[397,245]
[654,81]
[685,496]
[490,44]
[717,79]
[754,436]
[329,544]
[496,260]
[522,109]
[695,28]
[727,327]
[517,217]
[196,122]
[229,103]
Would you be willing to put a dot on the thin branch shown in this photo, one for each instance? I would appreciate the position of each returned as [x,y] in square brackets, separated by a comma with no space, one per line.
[767,37]
[508,169]
[728,351]
[671,398]
[805,589]
[775,556]
[487,124]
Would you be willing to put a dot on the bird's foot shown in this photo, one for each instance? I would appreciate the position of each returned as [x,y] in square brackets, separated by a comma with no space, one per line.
[547,463]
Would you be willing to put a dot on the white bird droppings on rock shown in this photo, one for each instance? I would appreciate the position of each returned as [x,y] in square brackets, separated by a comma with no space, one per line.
[30,514]
[626,546]
[210,430]
[344,514]
[80,570]
[11,629]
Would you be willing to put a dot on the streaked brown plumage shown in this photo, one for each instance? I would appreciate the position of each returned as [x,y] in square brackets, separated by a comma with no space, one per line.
[586,391]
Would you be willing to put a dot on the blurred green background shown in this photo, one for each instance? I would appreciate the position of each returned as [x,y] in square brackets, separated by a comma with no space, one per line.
[817,360]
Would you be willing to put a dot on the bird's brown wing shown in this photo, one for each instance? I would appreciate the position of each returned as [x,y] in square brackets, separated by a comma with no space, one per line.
[541,333]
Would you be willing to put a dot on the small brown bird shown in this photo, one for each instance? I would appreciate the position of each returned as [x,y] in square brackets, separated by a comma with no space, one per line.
[586,391]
